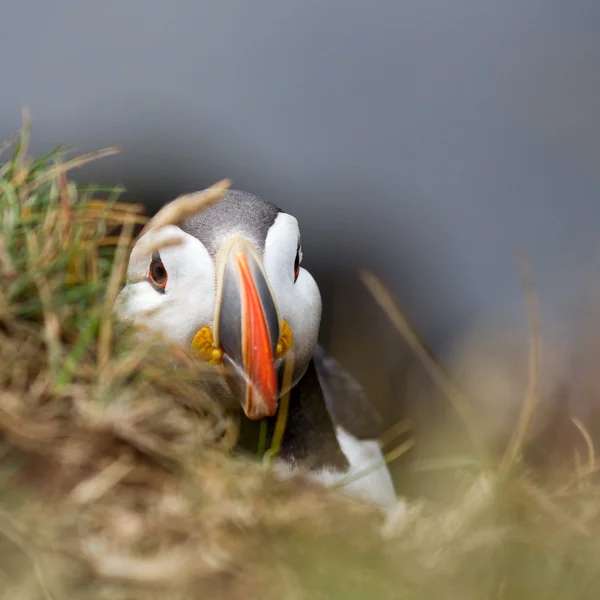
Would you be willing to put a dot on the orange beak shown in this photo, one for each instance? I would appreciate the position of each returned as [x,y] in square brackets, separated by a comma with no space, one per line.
[247,328]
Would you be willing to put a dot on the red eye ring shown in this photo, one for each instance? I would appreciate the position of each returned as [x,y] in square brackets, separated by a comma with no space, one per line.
[157,274]
[297,265]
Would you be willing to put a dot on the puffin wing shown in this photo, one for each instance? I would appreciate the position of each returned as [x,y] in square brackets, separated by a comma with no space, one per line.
[346,400]
[358,425]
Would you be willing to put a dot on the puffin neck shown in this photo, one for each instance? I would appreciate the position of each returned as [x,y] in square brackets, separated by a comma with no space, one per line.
[310,438]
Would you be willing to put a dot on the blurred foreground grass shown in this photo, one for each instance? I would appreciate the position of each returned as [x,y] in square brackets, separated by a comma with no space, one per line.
[116,474]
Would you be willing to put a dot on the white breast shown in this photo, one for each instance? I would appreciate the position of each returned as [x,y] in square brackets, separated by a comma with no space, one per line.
[367,478]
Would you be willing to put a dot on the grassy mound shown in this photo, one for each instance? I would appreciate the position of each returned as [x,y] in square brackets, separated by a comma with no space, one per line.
[116,473]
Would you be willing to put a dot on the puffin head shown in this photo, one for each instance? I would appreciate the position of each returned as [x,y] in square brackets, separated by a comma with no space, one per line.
[233,291]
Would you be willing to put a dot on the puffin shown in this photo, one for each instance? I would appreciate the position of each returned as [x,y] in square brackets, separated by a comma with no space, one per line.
[232,290]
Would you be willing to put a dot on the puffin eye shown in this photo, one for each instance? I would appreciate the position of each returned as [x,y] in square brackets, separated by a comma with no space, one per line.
[297,264]
[157,274]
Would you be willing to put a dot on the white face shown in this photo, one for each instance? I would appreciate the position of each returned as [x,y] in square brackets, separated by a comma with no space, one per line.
[187,302]
[299,302]
[188,298]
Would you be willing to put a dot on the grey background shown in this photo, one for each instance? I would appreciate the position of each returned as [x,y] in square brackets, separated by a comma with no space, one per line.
[427,139]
